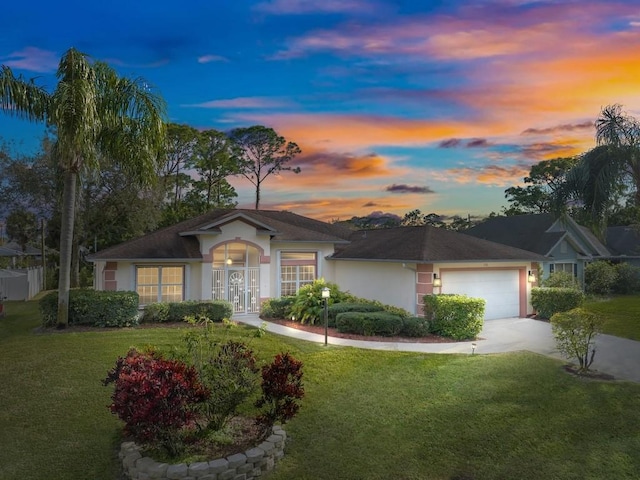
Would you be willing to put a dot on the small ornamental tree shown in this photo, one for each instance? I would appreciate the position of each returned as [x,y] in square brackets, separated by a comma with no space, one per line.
[281,390]
[575,333]
[232,376]
[155,397]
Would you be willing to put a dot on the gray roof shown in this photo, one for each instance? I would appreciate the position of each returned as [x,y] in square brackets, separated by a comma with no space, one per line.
[9,252]
[528,232]
[427,244]
[180,241]
[624,241]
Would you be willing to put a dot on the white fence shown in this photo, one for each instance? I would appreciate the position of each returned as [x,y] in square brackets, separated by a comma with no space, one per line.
[24,286]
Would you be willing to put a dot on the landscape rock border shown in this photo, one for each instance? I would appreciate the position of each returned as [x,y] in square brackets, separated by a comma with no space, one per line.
[241,466]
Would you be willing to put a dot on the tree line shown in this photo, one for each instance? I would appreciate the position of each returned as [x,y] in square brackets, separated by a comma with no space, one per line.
[108,144]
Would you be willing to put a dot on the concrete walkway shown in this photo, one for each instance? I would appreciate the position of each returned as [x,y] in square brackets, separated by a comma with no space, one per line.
[616,356]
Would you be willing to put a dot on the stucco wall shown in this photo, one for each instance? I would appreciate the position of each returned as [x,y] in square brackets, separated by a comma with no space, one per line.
[387,282]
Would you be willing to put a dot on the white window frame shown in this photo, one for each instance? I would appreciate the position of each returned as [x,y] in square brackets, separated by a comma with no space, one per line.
[297,265]
[159,284]
[564,268]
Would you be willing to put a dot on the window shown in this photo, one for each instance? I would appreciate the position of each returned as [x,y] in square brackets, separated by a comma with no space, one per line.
[296,269]
[160,284]
[571,268]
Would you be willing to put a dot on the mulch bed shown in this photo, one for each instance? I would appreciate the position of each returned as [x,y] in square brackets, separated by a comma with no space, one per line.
[589,374]
[332,332]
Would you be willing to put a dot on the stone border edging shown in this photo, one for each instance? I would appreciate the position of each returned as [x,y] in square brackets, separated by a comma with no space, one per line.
[241,466]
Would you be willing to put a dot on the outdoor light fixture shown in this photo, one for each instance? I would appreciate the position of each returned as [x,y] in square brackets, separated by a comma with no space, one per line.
[437,282]
[326,293]
[229,261]
[531,277]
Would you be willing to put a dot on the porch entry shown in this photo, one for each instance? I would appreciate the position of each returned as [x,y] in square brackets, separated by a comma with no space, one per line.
[236,276]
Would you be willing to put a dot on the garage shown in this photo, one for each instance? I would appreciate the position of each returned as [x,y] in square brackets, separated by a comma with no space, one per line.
[499,288]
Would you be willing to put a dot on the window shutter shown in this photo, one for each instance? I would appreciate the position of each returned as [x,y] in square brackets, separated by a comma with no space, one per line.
[551,268]
[575,270]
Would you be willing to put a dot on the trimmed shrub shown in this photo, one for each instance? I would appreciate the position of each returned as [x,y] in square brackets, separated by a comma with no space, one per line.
[600,278]
[415,327]
[277,307]
[93,307]
[155,313]
[628,280]
[216,311]
[401,312]
[338,308]
[369,323]
[155,397]
[561,280]
[575,333]
[548,301]
[454,316]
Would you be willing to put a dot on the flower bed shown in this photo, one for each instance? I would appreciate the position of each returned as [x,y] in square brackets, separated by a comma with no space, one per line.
[251,464]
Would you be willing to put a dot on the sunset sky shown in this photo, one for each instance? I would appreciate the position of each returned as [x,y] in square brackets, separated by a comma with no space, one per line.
[396,105]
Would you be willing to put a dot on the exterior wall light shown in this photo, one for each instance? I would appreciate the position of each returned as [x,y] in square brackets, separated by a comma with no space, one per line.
[531,277]
[437,282]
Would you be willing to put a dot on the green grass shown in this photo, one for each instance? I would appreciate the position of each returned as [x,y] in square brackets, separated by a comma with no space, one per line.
[621,315]
[366,414]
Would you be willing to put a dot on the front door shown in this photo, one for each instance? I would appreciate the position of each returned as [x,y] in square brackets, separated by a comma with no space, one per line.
[236,288]
[236,276]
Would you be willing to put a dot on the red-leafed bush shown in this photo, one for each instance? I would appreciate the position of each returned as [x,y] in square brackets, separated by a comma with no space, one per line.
[281,390]
[155,397]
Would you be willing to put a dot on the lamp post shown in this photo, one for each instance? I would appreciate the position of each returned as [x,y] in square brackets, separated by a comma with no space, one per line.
[326,293]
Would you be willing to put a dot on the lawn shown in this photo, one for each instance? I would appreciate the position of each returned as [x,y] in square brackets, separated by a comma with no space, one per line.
[366,414]
[621,315]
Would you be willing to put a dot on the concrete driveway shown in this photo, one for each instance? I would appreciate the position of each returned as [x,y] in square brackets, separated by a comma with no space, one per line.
[616,356]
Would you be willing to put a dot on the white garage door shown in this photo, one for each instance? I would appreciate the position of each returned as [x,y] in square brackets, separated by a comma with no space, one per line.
[499,288]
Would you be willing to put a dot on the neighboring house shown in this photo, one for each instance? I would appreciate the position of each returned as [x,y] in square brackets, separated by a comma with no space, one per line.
[10,254]
[624,244]
[568,245]
[248,256]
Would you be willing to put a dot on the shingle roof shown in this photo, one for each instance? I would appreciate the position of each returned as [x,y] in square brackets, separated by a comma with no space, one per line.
[624,241]
[179,241]
[528,232]
[427,244]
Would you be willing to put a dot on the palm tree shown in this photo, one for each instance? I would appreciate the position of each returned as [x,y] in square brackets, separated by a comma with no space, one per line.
[602,174]
[94,113]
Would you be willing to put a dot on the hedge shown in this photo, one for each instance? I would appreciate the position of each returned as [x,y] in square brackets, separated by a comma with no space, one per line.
[215,310]
[454,316]
[94,308]
[338,308]
[547,301]
[415,327]
[369,323]
[277,307]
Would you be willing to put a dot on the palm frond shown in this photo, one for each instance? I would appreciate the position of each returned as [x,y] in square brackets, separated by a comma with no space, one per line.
[22,98]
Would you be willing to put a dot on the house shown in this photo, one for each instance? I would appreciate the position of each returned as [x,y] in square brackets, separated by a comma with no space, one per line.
[248,256]
[624,244]
[568,246]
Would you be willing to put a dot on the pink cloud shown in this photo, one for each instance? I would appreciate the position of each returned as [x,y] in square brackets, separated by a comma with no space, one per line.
[301,7]
[211,58]
[32,59]
[243,102]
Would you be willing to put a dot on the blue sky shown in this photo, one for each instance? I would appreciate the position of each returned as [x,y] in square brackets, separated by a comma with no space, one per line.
[396,105]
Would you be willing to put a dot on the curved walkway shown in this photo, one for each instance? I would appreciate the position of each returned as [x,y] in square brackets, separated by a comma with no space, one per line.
[616,356]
